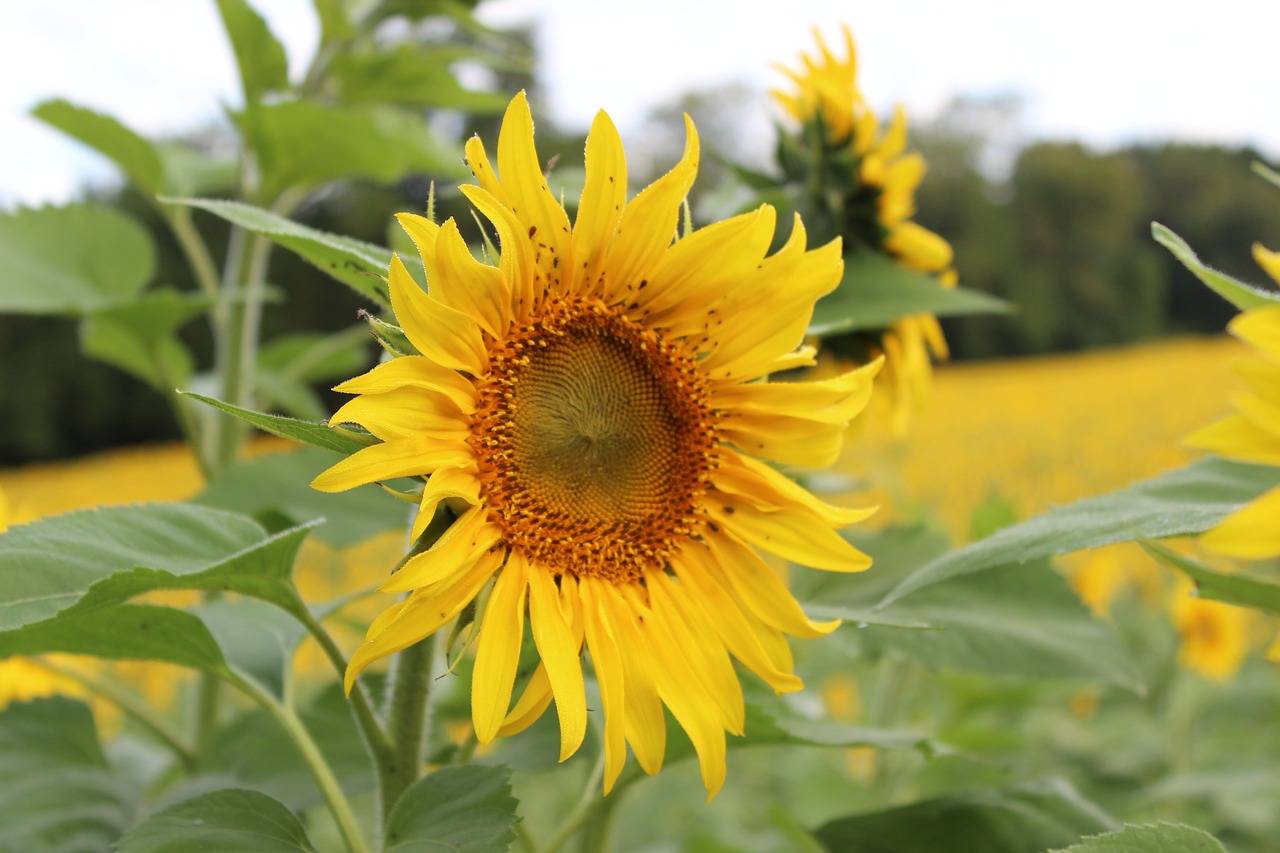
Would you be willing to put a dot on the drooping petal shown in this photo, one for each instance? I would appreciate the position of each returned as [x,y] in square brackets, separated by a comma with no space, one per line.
[646,726]
[404,457]
[414,371]
[404,413]
[741,571]
[459,487]
[769,489]
[1238,437]
[792,533]
[466,540]
[606,660]
[560,655]
[498,649]
[532,704]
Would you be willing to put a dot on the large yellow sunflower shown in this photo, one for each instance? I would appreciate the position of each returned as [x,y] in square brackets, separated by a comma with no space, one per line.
[592,409]
[877,206]
[1253,433]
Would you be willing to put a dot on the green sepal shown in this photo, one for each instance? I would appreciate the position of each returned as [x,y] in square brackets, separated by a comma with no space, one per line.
[1243,296]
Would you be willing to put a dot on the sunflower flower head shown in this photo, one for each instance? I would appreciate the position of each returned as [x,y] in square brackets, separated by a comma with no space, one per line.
[869,180]
[1213,637]
[1252,434]
[591,416]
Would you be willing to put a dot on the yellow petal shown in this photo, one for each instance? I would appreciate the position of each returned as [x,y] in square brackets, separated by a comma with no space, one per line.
[458,280]
[749,579]
[1251,533]
[422,613]
[740,637]
[648,224]
[532,704]
[560,655]
[455,551]
[1261,328]
[603,196]
[498,649]
[414,371]
[1268,260]
[791,441]
[405,412]
[516,261]
[768,489]
[919,247]
[422,232]
[645,722]
[444,335]
[458,486]
[791,533]
[528,195]
[834,400]
[482,169]
[1238,437]
[606,660]
[403,457]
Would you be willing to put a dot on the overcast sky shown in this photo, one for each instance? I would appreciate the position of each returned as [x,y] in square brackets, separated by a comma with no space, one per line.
[1107,72]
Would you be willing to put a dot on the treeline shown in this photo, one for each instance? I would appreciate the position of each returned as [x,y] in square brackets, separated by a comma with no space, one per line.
[1067,238]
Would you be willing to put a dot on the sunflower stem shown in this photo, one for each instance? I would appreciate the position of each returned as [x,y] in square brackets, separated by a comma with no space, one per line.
[323,774]
[584,811]
[407,720]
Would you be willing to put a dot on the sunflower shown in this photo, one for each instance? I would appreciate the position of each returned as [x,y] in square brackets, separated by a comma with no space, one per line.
[1213,637]
[874,209]
[592,411]
[1253,433]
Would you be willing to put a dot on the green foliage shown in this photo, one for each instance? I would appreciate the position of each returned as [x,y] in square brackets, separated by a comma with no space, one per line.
[136,156]
[234,820]
[1152,838]
[93,558]
[463,809]
[1182,502]
[1239,294]
[314,434]
[57,791]
[140,337]
[1012,820]
[263,65]
[875,291]
[361,266]
[71,260]
[412,75]
[1235,589]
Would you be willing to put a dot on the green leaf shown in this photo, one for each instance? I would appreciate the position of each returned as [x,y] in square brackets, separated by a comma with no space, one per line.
[263,64]
[189,171]
[317,357]
[875,291]
[57,792]
[140,337]
[94,558]
[316,434]
[280,483]
[135,155]
[359,265]
[255,751]
[1186,501]
[121,632]
[1269,175]
[233,820]
[1008,820]
[1240,590]
[459,809]
[413,75]
[304,144]
[71,260]
[1243,296]
[778,725]
[1150,838]
[257,639]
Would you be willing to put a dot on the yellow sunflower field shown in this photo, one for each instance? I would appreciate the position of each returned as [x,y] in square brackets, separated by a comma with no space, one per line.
[582,503]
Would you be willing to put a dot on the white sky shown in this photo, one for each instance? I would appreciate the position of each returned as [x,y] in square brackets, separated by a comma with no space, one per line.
[1104,71]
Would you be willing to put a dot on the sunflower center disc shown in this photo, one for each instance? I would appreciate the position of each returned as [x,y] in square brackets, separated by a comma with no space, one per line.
[594,439]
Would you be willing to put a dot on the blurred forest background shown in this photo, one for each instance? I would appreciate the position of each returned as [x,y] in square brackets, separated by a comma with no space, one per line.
[1060,230]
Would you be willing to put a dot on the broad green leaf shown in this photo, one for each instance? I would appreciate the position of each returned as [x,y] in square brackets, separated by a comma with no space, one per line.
[306,432]
[413,75]
[71,260]
[140,337]
[255,751]
[998,820]
[233,820]
[57,792]
[280,483]
[1150,838]
[1186,501]
[335,19]
[778,725]
[121,632]
[317,357]
[259,54]
[359,265]
[1230,589]
[190,172]
[93,558]
[459,809]
[135,155]
[256,638]
[304,144]
[1243,296]
[875,291]
[292,397]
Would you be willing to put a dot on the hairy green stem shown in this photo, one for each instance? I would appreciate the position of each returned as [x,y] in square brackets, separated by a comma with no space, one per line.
[131,705]
[588,804]
[332,791]
[410,682]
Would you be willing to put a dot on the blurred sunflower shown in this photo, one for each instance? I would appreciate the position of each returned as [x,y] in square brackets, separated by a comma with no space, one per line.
[1253,433]
[1213,637]
[868,185]
[590,411]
